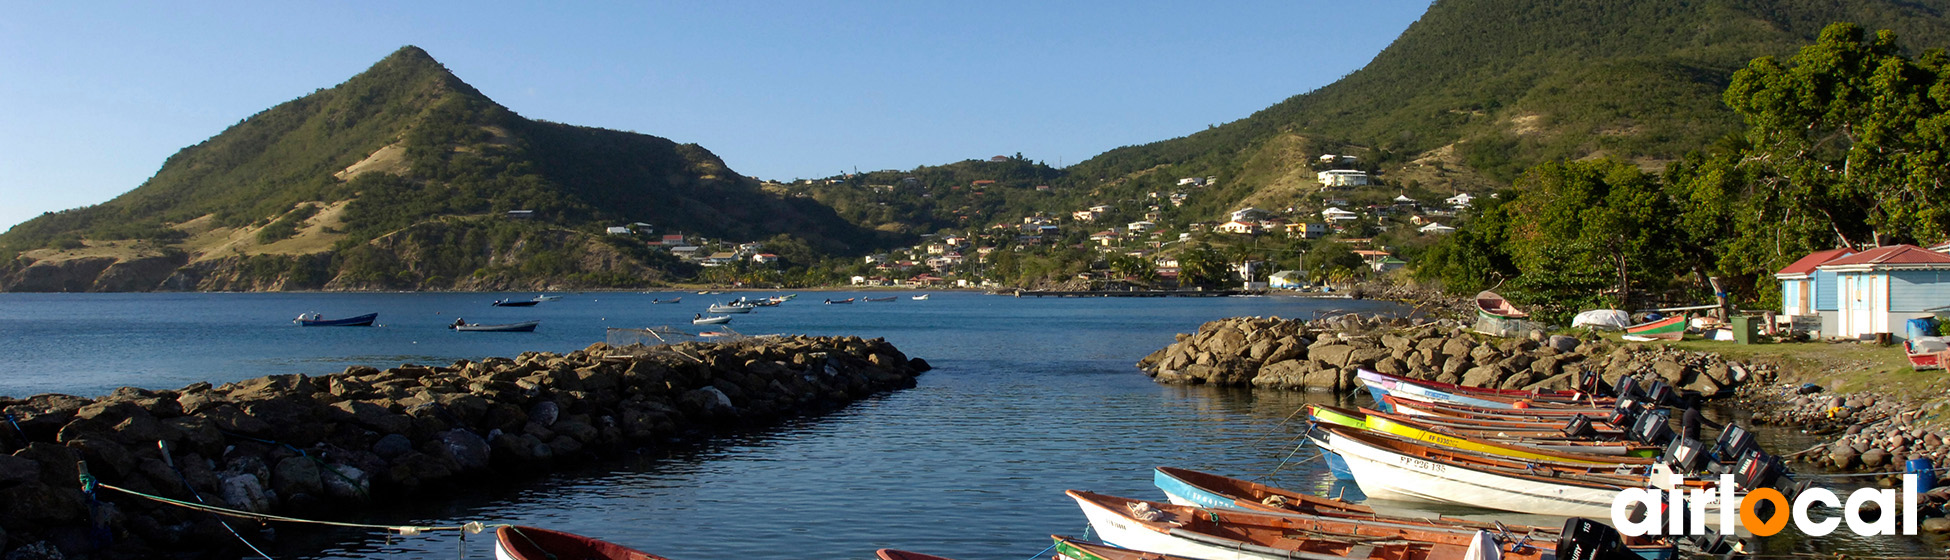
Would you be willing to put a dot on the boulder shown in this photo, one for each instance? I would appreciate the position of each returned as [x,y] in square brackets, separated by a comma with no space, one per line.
[1669,370]
[1335,355]
[468,450]
[296,475]
[1562,343]
[1482,376]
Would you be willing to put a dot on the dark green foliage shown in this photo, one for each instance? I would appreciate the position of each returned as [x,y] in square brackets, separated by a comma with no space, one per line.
[1522,82]
[286,226]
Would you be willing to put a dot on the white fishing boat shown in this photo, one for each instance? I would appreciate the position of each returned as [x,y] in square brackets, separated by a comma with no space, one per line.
[1396,469]
[922,297]
[729,308]
[712,320]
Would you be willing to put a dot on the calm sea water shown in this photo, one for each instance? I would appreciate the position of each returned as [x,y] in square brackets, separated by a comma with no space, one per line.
[1029,397]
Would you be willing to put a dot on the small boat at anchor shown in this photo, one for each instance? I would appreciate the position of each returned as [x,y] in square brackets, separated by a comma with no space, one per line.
[545,297]
[729,308]
[315,320]
[882,299]
[513,542]
[513,303]
[839,301]
[524,326]
[922,297]
[663,301]
[712,320]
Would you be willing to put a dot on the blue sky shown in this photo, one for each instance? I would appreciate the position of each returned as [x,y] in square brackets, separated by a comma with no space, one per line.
[97,95]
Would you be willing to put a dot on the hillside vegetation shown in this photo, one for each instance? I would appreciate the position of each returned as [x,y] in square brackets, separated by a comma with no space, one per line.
[1511,84]
[402,145]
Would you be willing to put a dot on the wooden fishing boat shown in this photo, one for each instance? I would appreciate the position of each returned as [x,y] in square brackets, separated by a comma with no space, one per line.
[891,554]
[712,320]
[678,299]
[1202,533]
[882,299]
[1192,488]
[839,301]
[533,543]
[1416,390]
[1367,375]
[729,308]
[1071,548]
[1410,430]
[1926,352]
[1670,328]
[1493,306]
[1388,467]
[314,321]
[524,326]
[1402,405]
[1591,436]
[511,303]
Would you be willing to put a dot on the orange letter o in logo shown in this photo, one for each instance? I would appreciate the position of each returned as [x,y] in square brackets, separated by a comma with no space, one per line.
[1752,521]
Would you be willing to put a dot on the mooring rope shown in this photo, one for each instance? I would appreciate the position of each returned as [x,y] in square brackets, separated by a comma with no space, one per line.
[471,527]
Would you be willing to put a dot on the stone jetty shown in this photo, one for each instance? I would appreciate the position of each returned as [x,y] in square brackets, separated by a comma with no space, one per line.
[362,439]
[1324,354]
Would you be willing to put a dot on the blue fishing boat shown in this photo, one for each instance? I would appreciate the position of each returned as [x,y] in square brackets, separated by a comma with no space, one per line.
[313,320]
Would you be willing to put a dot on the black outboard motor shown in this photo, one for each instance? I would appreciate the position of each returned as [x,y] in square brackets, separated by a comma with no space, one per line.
[1653,428]
[1660,393]
[1580,428]
[1687,455]
[1625,413]
[1628,387]
[1593,384]
[1757,469]
[1584,539]
[1734,441]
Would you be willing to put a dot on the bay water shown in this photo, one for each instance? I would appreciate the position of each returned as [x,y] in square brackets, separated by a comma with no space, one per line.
[1028,397]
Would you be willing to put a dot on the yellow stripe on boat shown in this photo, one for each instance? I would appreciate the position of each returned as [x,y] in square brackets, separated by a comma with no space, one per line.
[1331,416]
[1384,425]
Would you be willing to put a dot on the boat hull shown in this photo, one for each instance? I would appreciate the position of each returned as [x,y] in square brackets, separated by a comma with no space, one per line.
[528,326]
[531,543]
[1670,328]
[360,321]
[1387,475]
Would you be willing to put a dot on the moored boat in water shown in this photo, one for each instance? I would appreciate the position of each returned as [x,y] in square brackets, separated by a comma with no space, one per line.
[712,320]
[524,326]
[512,542]
[314,320]
[514,303]
[729,308]
[1200,533]
[839,301]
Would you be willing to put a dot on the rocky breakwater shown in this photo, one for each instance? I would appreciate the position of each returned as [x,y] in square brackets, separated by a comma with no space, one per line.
[300,445]
[1324,354]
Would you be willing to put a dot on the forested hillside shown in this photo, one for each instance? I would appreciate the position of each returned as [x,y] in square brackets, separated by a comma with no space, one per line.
[408,143]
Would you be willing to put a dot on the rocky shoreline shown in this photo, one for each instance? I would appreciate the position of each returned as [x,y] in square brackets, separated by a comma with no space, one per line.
[300,446]
[1324,354]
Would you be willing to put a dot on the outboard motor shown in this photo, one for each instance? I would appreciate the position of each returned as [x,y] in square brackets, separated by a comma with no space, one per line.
[1580,428]
[1653,428]
[1734,441]
[1686,455]
[1584,539]
[1593,384]
[1712,543]
[1625,413]
[1757,469]
[1659,393]
[1627,388]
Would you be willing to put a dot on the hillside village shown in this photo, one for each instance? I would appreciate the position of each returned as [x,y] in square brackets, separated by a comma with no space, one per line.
[1130,243]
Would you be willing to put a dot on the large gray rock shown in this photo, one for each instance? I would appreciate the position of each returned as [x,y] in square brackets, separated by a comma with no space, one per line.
[1563,343]
[296,475]
[1482,376]
[467,449]
[1335,355]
